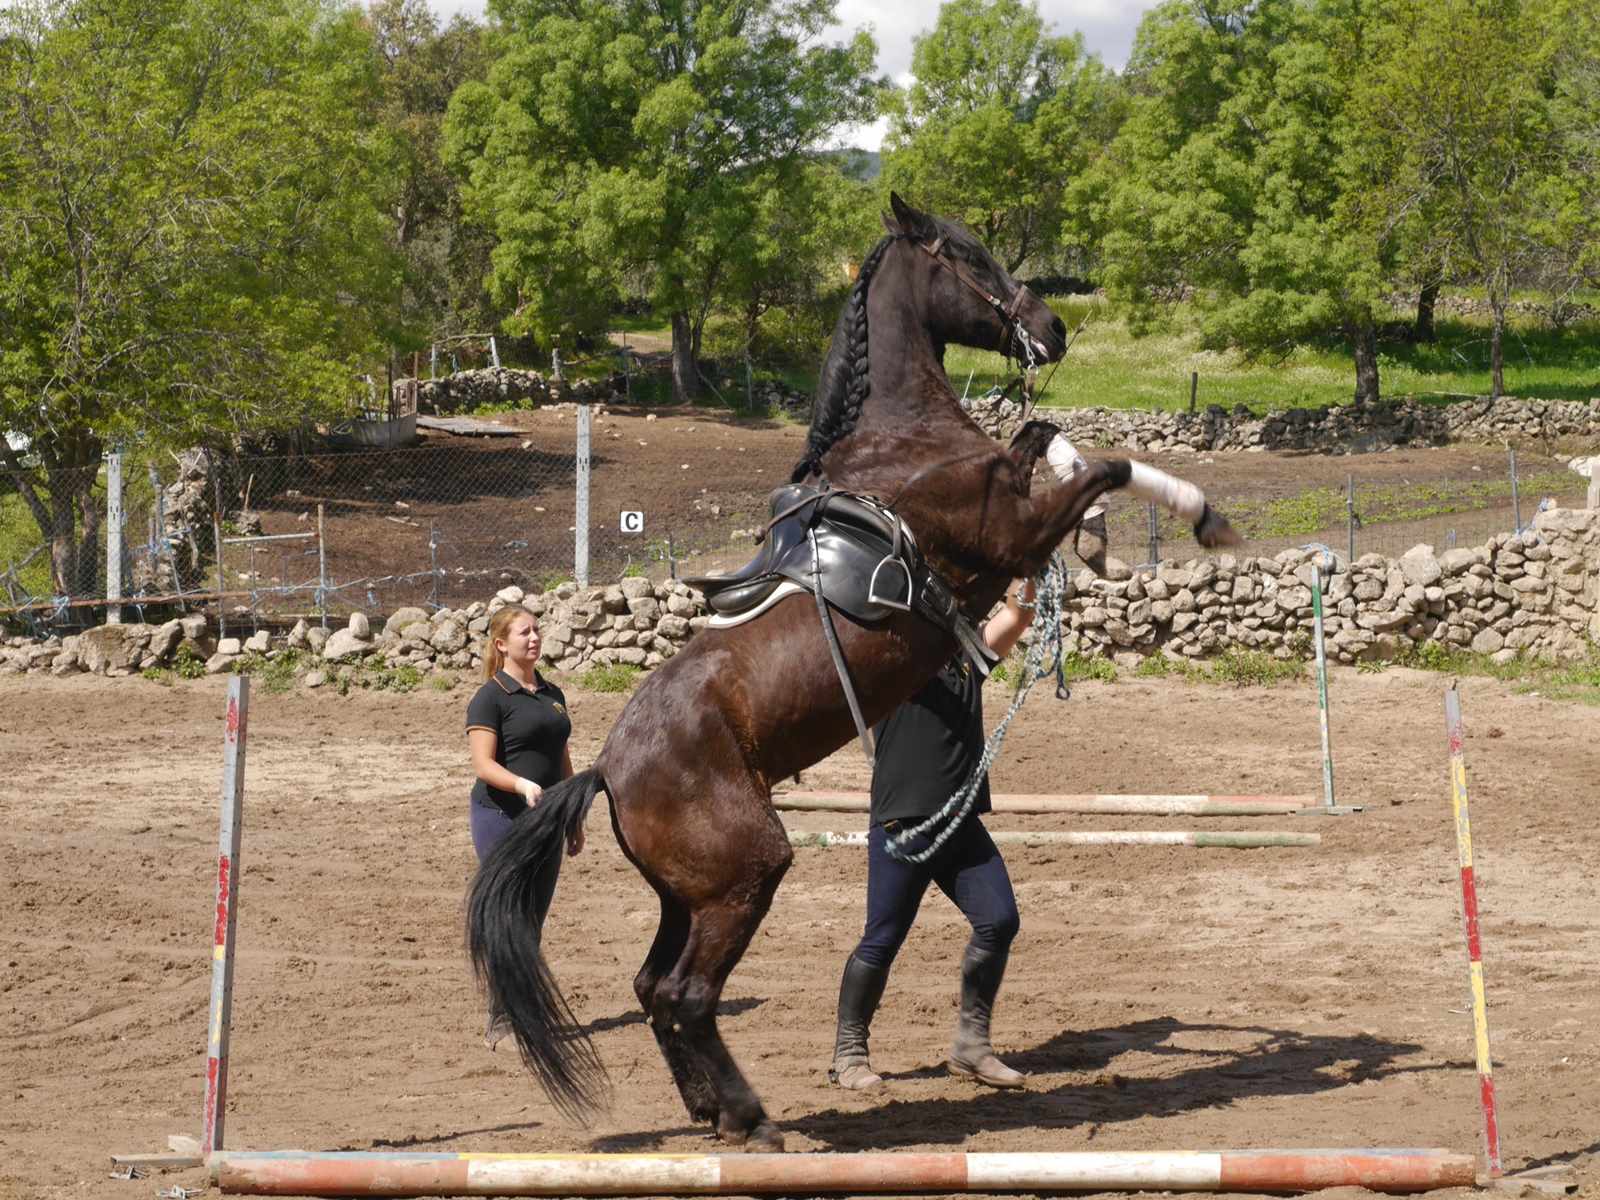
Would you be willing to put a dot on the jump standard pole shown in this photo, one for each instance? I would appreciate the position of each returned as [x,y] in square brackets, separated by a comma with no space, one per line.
[297,1173]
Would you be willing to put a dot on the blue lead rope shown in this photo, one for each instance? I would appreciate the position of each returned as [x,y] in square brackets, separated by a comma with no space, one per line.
[1043,658]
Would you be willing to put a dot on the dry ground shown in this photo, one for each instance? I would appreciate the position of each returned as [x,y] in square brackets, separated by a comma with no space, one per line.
[1158,997]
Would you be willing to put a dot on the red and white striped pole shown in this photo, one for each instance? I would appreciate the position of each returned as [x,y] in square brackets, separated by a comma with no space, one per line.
[227,911]
[1469,912]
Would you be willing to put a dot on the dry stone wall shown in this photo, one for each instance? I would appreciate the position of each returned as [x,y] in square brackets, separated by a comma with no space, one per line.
[1535,595]
[1335,430]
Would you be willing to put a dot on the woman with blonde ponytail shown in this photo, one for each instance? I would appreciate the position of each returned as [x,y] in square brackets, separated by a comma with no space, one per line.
[517,728]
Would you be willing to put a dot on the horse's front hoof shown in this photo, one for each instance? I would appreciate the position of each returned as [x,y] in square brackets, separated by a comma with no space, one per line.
[1212,530]
[765,1139]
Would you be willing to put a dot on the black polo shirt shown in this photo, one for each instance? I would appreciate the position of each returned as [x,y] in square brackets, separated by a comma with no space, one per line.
[928,747]
[530,730]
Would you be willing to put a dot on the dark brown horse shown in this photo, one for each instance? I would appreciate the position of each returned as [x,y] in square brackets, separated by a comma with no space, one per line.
[690,763]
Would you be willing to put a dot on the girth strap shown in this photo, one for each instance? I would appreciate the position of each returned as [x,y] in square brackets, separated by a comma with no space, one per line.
[839,664]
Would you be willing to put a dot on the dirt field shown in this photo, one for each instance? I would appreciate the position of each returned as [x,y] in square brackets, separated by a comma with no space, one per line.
[1159,998]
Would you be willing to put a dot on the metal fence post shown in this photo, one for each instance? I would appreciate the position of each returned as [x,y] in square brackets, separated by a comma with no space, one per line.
[433,362]
[494,353]
[1516,501]
[1322,682]
[322,568]
[580,548]
[216,533]
[1350,513]
[1155,535]
[114,537]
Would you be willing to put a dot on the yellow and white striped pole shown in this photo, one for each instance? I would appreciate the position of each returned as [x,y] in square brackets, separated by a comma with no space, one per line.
[1469,912]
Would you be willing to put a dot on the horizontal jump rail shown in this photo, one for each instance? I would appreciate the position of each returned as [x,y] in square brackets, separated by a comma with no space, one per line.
[1159,806]
[1096,837]
[299,1173]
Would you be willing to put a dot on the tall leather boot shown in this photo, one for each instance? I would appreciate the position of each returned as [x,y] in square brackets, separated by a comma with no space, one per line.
[859,993]
[971,1054]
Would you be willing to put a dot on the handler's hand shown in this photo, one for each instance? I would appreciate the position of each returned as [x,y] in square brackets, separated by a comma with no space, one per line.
[529,791]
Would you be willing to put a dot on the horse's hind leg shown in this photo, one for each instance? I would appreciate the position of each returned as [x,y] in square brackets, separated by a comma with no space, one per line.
[720,930]
[698,1095]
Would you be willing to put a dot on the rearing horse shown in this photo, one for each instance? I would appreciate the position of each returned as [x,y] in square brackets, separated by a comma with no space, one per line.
[690,763]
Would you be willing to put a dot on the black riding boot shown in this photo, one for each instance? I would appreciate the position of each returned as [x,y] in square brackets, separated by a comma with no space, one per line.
[971,1054]
[859,993]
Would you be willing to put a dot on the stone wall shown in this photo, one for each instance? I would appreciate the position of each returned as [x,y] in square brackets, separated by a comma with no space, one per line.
[1335,430]
[1533,594]
[498,385]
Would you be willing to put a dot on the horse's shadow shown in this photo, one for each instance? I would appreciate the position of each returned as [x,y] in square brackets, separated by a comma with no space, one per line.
[727,1008]
[1280,1062]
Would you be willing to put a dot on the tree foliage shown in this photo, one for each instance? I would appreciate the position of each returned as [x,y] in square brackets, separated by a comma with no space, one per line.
[619,140]
[445,256]
[1000,121]
[193,229]
[1239,172]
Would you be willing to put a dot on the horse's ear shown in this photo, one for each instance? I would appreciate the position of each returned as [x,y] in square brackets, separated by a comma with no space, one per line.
[889,224]
[913,224]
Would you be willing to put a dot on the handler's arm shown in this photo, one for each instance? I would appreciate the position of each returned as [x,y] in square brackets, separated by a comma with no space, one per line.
[1001,631]
[483,743]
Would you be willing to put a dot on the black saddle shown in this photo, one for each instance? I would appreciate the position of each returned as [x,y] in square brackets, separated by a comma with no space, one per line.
[864,554]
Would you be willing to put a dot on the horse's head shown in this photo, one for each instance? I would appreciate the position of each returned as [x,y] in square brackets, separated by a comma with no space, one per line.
[970,298]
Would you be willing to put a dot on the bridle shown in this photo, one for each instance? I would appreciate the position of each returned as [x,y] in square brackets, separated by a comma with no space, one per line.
[1018,342]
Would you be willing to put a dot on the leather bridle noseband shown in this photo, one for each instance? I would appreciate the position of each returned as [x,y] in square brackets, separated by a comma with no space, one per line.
[1008,311]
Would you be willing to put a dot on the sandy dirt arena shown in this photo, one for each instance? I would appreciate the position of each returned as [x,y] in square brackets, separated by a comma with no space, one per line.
[1160,998]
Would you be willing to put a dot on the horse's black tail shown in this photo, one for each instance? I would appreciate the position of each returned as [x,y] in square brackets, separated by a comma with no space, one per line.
[503,938]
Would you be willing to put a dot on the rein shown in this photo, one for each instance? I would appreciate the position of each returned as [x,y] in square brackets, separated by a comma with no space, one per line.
[1007,311]
[1043,658]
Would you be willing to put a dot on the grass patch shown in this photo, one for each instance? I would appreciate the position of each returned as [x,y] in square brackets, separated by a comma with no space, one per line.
[1253,668]
[1109,367]
[609,677]
[276,675]
[1577,680]
[1324,508]
[1237,668]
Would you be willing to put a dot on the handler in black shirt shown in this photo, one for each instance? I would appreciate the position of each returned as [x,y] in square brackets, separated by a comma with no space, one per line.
[926,749]
[517,728]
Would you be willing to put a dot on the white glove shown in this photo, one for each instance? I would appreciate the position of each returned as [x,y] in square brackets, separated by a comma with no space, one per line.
[529,791]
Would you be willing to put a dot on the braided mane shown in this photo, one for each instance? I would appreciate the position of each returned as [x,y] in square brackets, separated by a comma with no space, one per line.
[843,386]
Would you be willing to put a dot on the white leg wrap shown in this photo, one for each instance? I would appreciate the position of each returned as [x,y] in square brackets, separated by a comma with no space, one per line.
[1172,493]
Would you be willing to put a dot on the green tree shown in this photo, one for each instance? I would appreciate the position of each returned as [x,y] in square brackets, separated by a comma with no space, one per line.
[1461,129]
[619,139]
[1001,118]
[193,229]
[808,223]
[1239,174]
[445,256]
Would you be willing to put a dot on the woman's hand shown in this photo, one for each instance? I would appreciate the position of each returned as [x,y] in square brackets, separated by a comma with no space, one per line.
[529,791]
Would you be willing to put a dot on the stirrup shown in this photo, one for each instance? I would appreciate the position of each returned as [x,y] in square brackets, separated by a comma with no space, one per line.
[875,597]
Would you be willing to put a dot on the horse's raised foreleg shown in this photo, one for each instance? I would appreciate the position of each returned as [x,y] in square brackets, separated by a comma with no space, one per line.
[1050,517]
[699,1097]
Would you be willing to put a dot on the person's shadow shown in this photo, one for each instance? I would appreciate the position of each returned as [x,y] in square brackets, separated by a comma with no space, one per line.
[1277,1063]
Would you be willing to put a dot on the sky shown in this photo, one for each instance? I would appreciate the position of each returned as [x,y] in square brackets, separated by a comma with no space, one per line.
[1107,27]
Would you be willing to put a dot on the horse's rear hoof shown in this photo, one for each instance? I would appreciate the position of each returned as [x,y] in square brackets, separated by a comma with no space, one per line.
[1212,530]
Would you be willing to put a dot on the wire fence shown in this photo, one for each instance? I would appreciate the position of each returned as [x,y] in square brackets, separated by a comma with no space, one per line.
[265,540]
